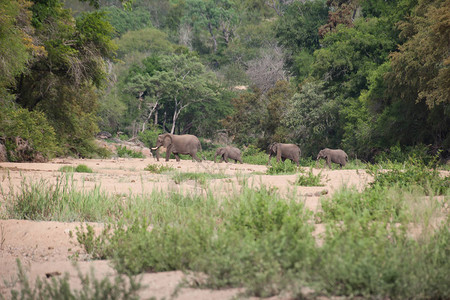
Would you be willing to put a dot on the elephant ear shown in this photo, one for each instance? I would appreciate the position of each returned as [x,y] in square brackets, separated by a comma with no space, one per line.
[167,140]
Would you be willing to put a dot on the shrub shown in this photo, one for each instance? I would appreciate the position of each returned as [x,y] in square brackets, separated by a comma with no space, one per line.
[309,179]
[31,126]
[122,151]
[286,167]
[372,204]
[413,173]
[78,169]
[149,136]
[252,155]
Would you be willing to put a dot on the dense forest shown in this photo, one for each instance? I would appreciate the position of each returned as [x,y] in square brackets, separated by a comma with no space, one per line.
[361,75]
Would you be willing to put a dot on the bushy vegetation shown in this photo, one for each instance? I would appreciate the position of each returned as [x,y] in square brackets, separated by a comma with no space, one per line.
[309,179]
[282,167]
[123,151]
[79,169]
[406,175]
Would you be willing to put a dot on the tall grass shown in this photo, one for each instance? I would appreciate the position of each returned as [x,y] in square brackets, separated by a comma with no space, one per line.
[59,201]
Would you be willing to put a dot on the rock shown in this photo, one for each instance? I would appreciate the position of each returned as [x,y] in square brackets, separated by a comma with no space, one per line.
[103,135]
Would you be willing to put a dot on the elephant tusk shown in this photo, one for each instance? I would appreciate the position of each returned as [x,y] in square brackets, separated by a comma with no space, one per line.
[156,148]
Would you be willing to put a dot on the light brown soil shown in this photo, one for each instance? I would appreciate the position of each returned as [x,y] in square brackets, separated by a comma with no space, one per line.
[45,247]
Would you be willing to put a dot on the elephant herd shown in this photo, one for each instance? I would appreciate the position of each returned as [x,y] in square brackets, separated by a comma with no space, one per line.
[189,144]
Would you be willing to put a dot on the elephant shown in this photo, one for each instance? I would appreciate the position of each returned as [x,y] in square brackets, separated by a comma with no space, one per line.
[178,144]
[284,151]
[229,152]
[336,156]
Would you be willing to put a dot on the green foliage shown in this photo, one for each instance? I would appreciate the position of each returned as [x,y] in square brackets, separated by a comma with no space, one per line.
[375,260]
[158,169]
[309,179]
[378,204]
[298,30]
[59,287]
[31,126]
[77,169]
[253,155]
[398,155]
[311,119]
[245,122]
[149,136]
[123,151]
[282,167]
[413,173]
[14,40]
[146,40]
[127,20]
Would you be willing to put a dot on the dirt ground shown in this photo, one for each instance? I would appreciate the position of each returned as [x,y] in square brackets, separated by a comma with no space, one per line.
[45,247]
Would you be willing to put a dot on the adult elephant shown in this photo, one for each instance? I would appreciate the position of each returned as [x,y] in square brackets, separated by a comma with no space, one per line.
[336,156]
[284,151]
[228,152]
[178,144]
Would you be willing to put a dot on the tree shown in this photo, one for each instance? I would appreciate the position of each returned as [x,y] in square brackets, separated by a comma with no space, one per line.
[65,66]
[182,82]
[419,83]
[16,43]
[217,17]
[246,124]
[312,119]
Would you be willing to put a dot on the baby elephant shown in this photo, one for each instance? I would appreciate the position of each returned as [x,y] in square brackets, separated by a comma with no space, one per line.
[336,156]
[228,152]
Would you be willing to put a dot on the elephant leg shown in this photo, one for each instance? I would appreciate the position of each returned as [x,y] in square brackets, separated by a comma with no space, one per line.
[194,157]
[177,157]
[329,162]
[168,152]
[283,159]
[225,158]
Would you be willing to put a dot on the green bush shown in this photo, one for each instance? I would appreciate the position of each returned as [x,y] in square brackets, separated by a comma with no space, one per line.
[374,261]
[372,204]
[309,179]
[286,167]
[149,136]
[122,151]
[398,155]
[78,169]
[253,155]
[31,126]
[413,173]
